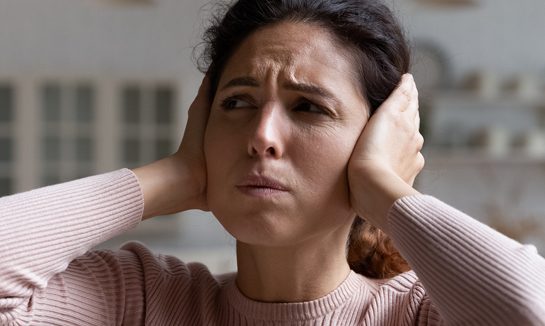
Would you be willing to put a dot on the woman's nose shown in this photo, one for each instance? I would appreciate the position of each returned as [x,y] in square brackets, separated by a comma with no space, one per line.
[267,135]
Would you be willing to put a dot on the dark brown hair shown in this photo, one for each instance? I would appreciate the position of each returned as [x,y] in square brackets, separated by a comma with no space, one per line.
[369,29]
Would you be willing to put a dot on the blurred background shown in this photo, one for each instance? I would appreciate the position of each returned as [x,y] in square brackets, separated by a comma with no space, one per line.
[91,86]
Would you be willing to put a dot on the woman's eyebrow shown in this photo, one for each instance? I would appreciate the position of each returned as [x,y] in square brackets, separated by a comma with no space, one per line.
[312,89]
[299,87]
[241,81]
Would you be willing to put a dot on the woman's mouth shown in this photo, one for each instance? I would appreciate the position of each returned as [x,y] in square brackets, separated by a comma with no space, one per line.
[261,186]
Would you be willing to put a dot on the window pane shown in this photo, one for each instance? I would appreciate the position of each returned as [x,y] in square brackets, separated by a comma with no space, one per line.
[6,149]
[131,151]
[6,104]
[51,101]
[84,103]
[6,187]
[132,105]
[83,173]
[84,149]
[51,180]
[164,105]
[52,148]
[163,148]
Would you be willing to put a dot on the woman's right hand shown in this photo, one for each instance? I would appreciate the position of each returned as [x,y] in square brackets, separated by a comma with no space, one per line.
[178,182]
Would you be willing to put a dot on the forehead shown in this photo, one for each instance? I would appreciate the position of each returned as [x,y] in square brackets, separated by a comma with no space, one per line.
[297,51]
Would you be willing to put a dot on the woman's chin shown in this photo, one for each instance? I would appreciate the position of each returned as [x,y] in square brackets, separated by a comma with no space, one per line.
[261,229]
[278,225]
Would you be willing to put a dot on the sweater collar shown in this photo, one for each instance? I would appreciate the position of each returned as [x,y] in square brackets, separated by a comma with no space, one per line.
[353,284]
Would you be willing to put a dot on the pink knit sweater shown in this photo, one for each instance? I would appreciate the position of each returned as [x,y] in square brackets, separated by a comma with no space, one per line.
[467,272]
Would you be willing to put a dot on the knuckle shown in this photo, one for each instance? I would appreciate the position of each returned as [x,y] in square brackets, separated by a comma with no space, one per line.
[421,161]
[420,140]
[406,92]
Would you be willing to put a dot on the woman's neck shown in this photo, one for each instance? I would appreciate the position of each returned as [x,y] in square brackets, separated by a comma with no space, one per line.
[301,272]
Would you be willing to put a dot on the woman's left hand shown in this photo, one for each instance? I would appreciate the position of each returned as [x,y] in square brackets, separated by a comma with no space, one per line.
[387,158]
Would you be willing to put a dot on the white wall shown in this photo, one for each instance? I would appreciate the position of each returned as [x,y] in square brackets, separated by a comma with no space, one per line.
[95,37]
[503,36]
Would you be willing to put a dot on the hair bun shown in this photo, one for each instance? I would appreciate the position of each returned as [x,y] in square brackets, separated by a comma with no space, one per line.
[372,253]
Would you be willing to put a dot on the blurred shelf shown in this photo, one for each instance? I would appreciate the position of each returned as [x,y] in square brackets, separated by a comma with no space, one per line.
[445,157]
[504,98]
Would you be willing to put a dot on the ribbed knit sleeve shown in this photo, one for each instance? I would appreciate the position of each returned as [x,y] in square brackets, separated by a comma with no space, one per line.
[44,230]
[472,274]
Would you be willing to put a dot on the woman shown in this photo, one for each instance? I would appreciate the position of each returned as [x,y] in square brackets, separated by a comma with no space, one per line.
[292,145]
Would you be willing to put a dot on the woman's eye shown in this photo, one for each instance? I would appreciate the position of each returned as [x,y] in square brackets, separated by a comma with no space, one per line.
[235,103]
[309,107]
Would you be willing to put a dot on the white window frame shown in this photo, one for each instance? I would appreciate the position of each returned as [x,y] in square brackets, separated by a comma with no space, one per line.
[68,130]
[147,131]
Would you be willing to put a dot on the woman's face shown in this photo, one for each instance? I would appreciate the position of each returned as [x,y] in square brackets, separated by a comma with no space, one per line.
[286,116]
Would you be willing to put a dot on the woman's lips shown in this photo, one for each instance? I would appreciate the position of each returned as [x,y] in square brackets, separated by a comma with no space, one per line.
[261,186]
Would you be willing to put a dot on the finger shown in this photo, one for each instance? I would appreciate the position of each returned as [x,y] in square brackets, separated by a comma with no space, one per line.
[419,142]
[410,91]
[198,116]
[413,98]
[202,95]
[400,98]
[421,161]
[199,109]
